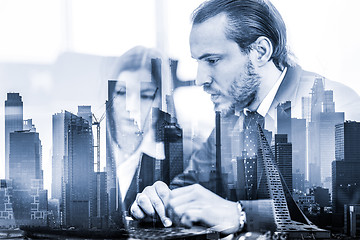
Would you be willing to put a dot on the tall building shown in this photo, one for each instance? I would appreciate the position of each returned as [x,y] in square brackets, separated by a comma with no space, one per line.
[29,199]
[347,137]
[322,133]
[288,217]
[13,122]
[173,141]
[282,151]
[99,197]
[345,169]
[284,119]
[73,155]
[327,123]
[59,134]
[60,124]
[169,132]
[317,97]
[298,132]
[110,161]
[219,155]
[25,158]
[77,173]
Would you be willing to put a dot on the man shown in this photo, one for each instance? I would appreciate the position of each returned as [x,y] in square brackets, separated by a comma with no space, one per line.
[243,62]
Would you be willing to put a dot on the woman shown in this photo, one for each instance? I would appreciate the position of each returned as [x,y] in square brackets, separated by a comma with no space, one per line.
[131,122]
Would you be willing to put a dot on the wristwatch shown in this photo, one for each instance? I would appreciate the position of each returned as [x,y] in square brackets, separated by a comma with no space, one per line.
[242,217]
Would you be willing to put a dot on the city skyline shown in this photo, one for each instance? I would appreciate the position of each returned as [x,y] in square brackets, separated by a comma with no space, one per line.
[55,94]
[42,91]
[79,140]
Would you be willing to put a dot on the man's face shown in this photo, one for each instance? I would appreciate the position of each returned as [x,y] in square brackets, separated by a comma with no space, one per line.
[223,69]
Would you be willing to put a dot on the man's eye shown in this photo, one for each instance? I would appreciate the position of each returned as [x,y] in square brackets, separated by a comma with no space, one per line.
[212,60]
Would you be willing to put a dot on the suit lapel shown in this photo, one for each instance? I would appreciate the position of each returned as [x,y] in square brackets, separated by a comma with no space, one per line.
[288,91]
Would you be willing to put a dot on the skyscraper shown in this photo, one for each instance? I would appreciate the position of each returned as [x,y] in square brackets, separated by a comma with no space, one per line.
[295,129]
[169,132]
[345,169]
[173,142]
[59,133]
[283,157]
[284,119]
[25,158]
[322,133]
[317,97]
[298,132]
[347,140]
[29,198]
[13,122]
[327,123]
[288,217]
[77,173]
[73,169]
[110,161]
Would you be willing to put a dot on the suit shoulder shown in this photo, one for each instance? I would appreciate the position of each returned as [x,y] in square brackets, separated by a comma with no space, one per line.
[346,99]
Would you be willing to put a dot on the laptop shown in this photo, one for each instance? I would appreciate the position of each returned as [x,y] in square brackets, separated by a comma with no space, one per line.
[131,229]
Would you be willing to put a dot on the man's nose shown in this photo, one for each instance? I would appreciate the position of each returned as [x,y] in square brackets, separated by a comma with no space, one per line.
[203,76]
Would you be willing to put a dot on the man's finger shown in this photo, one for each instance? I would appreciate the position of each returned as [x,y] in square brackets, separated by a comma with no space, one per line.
[136,211]
[162,191]
[144,202]
[185,207]
[190,216]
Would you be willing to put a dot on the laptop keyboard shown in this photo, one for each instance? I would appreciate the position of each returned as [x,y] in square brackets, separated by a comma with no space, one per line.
[171,233]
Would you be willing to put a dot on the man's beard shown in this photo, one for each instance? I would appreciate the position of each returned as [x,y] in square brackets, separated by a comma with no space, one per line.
[242,93]
[244,89]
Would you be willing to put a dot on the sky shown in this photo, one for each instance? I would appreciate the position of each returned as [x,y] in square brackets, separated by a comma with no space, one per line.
[49,51]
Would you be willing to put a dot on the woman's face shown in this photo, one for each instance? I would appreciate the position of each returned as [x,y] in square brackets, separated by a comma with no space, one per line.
[133,99]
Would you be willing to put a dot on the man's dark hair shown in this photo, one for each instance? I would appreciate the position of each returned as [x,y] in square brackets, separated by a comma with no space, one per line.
[248,20]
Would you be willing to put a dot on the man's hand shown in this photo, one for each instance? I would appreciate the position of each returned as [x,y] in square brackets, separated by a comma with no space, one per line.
[152,201]
[194,203]
[191,204]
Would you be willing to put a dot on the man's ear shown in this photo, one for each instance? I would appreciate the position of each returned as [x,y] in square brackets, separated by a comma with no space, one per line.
[262,50]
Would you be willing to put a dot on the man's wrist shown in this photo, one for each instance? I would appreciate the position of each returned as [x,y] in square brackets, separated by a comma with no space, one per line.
[241,217]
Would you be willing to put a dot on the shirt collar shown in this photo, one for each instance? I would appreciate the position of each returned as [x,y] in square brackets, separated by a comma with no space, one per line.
[268,100]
